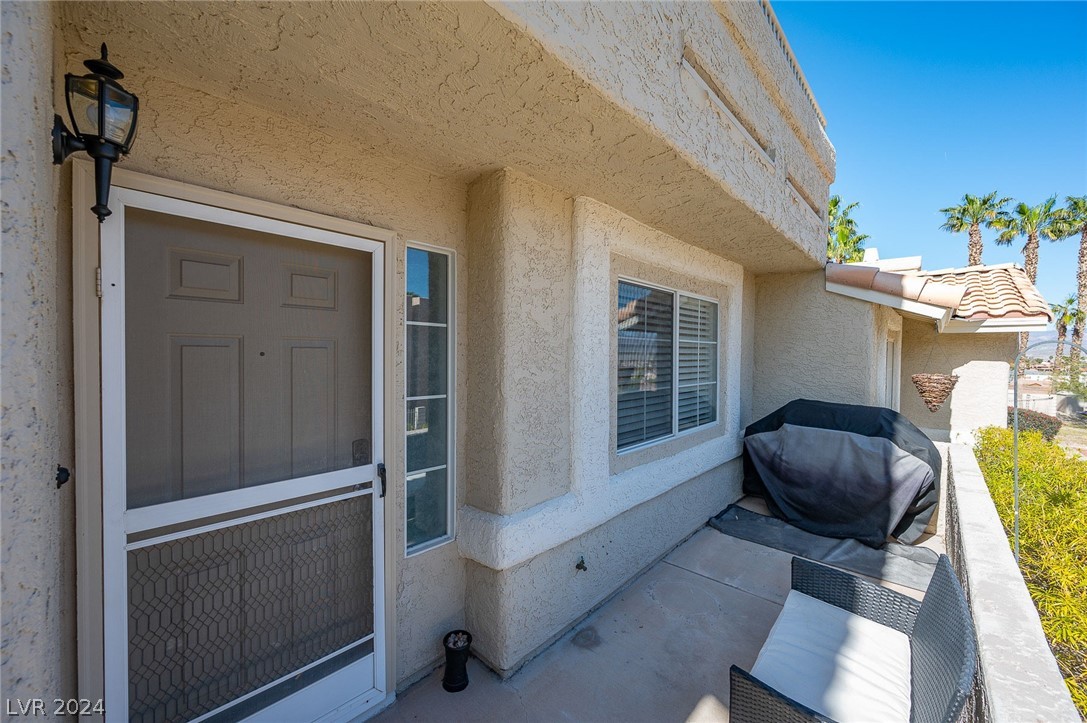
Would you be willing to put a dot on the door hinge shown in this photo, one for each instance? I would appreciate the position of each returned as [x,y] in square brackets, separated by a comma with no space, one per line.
[98,281]
[381,476]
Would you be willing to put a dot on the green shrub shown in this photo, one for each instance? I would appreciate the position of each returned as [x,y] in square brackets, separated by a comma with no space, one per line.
[1031,421]
[1052,538]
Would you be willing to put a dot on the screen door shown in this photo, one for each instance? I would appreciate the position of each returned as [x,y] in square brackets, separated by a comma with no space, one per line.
[241,362]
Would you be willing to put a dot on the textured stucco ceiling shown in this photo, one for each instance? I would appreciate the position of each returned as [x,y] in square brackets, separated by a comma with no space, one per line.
[453,88]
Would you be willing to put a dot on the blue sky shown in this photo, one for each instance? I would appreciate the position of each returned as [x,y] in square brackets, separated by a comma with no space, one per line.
[926,101]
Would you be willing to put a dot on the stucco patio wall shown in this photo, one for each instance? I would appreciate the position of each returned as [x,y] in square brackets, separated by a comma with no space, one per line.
[520,276]
[980,398]
[217,115]
[620,511]
[37,555]
[191,136]
[810,344]
[515,613]
[1018,678]
[635,53]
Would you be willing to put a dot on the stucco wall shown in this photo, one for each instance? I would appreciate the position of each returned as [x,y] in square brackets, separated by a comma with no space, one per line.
[459,88]
[224,118]
[632,51]
[37,590]
[596,495]
[520,303]
[514,613]
[980,397]
[191,136]
[516,557]
[811,344]
[886,382]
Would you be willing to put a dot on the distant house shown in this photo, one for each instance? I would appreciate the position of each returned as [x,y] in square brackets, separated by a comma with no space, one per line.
[963,321]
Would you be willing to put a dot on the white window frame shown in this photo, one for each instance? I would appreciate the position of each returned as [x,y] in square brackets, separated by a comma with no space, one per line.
[676,434]
[451,403]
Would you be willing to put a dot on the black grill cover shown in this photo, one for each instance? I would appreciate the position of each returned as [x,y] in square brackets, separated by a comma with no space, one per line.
[843,470]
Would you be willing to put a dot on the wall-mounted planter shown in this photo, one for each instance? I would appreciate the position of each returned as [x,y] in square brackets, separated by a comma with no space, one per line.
[457,644]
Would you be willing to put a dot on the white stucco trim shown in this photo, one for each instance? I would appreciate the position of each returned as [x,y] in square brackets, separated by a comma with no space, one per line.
[994,326]
[916,308]
[503,541]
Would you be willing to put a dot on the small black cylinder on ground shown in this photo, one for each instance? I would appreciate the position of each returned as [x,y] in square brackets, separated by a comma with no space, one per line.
[457,644]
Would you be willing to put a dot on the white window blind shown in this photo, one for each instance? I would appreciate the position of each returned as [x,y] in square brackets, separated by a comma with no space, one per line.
[667,364]
[697,362]
[645,378]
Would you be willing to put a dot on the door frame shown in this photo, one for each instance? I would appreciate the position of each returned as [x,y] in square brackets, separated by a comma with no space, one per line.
[88,378]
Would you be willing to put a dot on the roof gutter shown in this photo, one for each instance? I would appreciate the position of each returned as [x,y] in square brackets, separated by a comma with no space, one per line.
[908,307]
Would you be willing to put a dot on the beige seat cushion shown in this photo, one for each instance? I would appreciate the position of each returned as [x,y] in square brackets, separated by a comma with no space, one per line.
[837,663]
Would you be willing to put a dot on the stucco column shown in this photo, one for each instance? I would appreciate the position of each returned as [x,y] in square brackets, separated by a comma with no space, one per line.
[519,307]
[592,375]
[38,647]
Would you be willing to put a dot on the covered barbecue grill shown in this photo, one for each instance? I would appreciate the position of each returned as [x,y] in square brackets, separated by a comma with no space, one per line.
[843,470]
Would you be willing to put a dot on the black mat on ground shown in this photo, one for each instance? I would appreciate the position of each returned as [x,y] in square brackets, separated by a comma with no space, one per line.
[901,564]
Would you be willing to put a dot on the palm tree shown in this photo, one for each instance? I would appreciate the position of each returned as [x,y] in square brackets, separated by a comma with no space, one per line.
[844,244]
[1033,222]
[1064,314]
[1073,219]
[970,215]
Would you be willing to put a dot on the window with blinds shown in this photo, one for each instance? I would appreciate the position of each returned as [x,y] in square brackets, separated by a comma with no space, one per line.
[645,320]
[667,364]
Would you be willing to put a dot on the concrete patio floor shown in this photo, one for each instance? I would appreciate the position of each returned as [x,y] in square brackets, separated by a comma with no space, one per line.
[659,650]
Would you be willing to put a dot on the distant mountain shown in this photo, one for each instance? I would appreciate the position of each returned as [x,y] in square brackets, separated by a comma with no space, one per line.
[1047,350]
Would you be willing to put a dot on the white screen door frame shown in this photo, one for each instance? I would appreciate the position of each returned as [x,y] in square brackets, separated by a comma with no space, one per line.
[338,696]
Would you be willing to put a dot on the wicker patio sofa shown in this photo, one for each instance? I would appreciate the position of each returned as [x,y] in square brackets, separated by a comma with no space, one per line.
[845,649]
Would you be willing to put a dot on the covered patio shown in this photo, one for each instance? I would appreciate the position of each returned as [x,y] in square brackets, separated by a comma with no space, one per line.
[658,650]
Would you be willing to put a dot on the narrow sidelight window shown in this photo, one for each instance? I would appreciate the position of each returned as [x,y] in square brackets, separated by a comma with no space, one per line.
[429,413]
[667,364]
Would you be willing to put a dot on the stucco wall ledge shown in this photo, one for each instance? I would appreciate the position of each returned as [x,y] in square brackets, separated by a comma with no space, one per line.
[1018,679]
[501,542]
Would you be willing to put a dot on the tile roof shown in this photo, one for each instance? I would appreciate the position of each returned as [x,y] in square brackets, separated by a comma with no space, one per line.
[974,293]
[992,292]
[906,286]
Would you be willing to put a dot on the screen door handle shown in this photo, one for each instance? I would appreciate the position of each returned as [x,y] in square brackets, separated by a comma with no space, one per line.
[381,476]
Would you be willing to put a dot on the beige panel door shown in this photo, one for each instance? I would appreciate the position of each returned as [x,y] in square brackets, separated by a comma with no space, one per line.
[248,358]
[243,469]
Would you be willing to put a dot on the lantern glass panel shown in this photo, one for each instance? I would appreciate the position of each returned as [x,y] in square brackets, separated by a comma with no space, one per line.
[119,115]
[83,103]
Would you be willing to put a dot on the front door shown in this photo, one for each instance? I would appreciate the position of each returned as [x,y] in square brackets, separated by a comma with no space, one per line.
[241,430]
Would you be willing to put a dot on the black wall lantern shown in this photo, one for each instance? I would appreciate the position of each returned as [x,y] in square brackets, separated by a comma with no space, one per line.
[103,116]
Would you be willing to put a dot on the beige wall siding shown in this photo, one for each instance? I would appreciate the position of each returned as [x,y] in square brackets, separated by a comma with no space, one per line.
[811,344]
[38,582]
[980,397]
[520,306]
